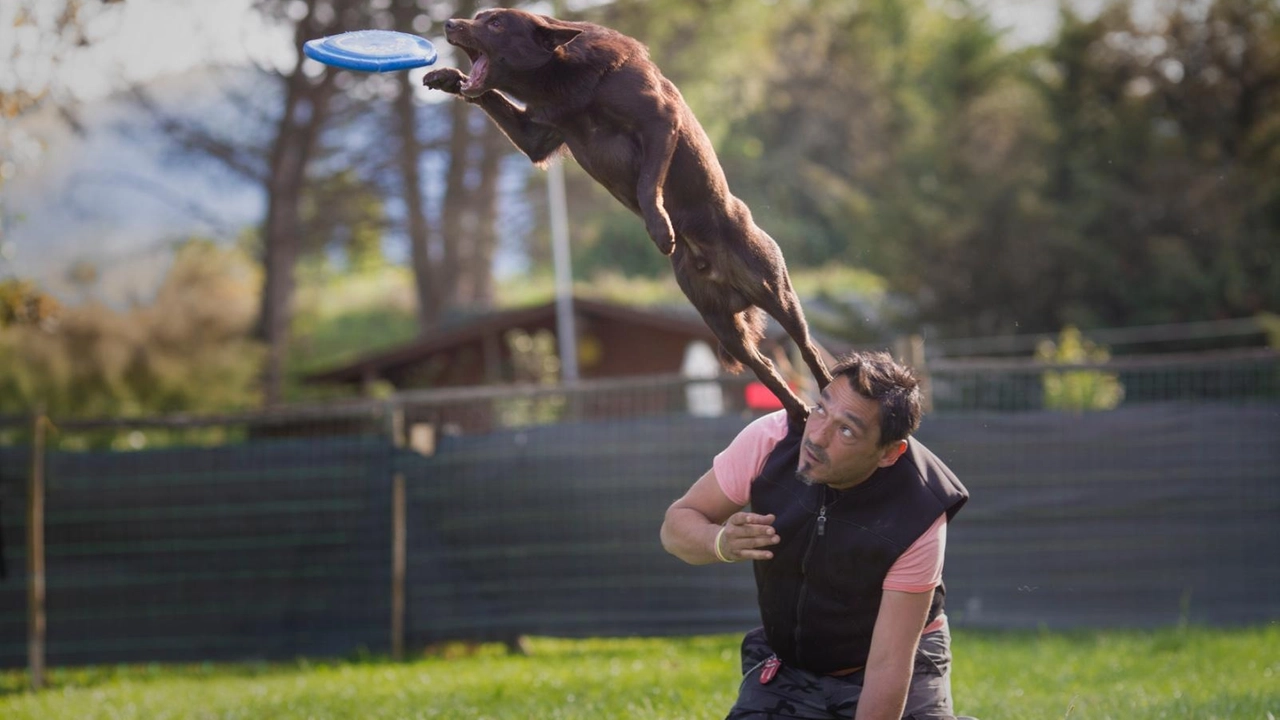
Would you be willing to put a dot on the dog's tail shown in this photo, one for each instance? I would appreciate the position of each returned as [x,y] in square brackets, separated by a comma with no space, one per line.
[749,325]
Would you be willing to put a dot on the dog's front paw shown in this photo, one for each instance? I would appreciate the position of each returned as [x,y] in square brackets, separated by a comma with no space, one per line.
[447,79]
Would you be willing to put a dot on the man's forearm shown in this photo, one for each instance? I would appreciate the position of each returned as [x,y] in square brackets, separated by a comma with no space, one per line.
[689,535]
[884,693]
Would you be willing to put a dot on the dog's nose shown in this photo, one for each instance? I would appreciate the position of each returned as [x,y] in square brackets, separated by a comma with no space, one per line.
[451,25]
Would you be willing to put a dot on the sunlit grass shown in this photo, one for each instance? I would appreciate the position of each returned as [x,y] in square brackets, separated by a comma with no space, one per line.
[1189,673]
[832,280]
[1176,673]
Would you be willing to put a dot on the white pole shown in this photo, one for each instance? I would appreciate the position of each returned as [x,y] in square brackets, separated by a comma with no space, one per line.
[566,334]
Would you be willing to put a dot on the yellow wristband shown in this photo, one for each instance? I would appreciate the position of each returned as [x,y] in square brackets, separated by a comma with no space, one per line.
[721,557]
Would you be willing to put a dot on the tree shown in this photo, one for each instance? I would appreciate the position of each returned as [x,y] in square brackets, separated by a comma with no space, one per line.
[718,73]
[1166,168]
[283,165]
[899,137]
[306,105]
[427,276]
[452,257]
[188,350]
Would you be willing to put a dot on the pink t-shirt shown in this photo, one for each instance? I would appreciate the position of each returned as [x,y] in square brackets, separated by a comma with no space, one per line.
[919,569]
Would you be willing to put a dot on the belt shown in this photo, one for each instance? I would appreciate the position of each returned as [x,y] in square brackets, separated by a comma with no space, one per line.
[772,664]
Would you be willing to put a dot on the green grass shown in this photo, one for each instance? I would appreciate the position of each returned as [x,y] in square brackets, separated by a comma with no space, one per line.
[1177,673]
[832,280]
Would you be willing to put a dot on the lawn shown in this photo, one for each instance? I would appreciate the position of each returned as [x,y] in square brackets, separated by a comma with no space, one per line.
[1174,673]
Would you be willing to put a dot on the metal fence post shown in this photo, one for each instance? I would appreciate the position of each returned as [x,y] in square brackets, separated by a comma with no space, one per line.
[910,350]
[35,553]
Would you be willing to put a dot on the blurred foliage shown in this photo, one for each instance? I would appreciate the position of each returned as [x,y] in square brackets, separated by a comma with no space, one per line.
[22,303]
[1166,162]
[535,361]
[40,35]
[609,285]
[833,282]
[343,217]
[186,350]
[1270,323]
[1126,172]
[343,314]
[1077,389]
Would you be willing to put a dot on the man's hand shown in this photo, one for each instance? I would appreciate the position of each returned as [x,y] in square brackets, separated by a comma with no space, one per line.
[746,536]
[694,523]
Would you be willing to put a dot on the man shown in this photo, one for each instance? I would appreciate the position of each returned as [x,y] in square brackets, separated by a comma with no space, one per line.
[847,531]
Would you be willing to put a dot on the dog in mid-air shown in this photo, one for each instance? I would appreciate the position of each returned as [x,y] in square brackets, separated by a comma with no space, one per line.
[595,91]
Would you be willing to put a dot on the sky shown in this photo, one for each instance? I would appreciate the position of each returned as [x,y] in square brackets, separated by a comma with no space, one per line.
[137,40]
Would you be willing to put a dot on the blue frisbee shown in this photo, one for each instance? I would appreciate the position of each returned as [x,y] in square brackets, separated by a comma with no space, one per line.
[371,50]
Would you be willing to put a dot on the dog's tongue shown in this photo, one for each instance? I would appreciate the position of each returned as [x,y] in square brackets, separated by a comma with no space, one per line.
[479,68]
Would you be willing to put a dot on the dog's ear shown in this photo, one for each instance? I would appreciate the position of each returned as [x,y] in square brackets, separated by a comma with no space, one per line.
[554,36]
[537,46]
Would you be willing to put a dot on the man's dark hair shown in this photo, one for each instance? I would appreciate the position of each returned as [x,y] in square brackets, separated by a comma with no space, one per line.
[877,376]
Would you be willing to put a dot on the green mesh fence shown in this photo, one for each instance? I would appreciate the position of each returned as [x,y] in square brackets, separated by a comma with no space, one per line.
[537,512]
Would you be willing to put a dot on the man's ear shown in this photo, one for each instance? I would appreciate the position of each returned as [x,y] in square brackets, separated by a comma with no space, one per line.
[890,454]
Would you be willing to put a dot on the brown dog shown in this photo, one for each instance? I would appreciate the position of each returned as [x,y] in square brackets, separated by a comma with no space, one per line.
[595,91]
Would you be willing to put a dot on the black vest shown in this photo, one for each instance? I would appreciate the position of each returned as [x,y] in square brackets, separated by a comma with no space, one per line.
[820,594]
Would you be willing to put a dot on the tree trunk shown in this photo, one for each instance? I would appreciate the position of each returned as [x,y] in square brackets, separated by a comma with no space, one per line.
[305,110]
[426,276]
[456,198]
[479,267]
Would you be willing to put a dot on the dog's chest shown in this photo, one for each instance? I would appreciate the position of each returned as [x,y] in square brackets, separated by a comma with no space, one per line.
[607,151]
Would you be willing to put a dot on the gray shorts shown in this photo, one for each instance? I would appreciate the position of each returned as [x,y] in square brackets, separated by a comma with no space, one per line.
[796,694]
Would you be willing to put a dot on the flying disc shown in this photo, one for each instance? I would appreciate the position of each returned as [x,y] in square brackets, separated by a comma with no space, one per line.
[371,50]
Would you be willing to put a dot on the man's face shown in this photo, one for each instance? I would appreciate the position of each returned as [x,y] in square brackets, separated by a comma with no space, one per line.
[841,445]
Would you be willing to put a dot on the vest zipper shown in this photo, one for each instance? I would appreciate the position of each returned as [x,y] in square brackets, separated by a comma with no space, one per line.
[804,564]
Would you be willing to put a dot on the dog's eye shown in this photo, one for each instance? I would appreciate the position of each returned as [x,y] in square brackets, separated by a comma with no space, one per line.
[495,24]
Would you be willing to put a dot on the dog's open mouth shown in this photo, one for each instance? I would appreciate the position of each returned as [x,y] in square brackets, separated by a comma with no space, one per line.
[479,72]
[475,84]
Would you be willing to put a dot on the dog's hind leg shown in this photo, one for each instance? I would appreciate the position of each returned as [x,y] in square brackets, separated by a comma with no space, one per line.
[739,336]
[784,306]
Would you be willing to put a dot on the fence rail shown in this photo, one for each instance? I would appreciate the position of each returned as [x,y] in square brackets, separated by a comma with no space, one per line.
[1021,384]
[956,384]
[1216,332]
